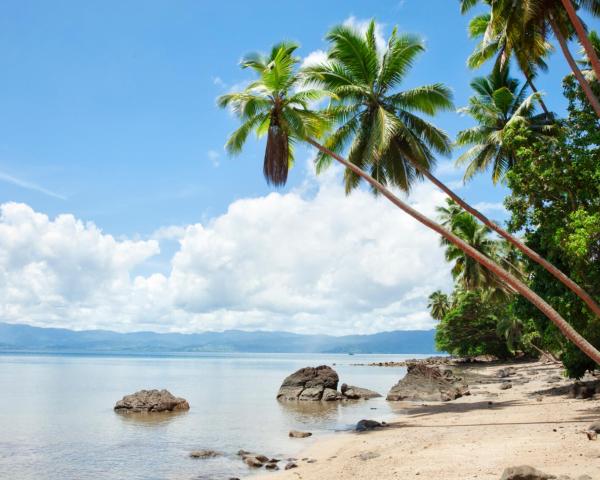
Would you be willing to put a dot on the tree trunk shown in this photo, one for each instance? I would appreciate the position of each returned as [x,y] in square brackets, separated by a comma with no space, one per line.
[529,81]
[536,257]
[475,254]
[583,38]
[578,75]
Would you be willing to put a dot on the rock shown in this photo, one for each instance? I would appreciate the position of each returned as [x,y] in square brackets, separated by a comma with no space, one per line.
[524,472]
[554,379]
[205,454]
[506,372]
[581,390]
[291,465]
[506,386]
[253,462]
[243,453]
[312,393]
[592,435]
[311,460]
[594,427]
[261,458]
[330,395]
[428,383]
[308,384]
[148,401]
[364,456]
[357,393]
[271,466]
[298,434]
[365,425]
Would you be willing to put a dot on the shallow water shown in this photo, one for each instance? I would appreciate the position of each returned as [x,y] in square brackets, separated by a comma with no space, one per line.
[56,417]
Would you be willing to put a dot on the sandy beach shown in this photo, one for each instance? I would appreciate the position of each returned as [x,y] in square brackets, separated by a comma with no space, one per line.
[474,437]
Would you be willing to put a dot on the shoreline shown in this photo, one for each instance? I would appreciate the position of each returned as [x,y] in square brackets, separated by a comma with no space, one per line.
[474,437]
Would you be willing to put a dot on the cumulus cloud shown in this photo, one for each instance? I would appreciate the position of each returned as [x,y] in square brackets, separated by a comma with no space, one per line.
[311,260]
[491,207]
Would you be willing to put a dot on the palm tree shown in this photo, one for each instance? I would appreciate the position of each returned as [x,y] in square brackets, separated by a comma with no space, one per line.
[511,328]
[498,105]
[438,305]
[381,127]
[499,47]
[267,94]
[470,274]
[526,25]
[585,61]
[388,137]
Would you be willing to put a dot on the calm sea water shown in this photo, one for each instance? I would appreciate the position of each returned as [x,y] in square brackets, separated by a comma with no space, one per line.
[57,421]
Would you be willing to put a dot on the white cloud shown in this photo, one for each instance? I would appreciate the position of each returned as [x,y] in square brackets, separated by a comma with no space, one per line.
[305,262]
[218,81]
[491,207]
[214,157]
[316,57]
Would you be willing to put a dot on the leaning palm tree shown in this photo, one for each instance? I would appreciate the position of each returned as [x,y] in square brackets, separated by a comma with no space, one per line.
[265,103]
[381,126]
[438,305]
[526,25]
[499,48]
[499,104]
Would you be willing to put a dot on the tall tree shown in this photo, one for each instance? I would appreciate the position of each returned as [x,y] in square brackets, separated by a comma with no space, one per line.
[499,104]
[384,132]
[526,25]
[499,47]
[263,104]
[466,271]
[438,305]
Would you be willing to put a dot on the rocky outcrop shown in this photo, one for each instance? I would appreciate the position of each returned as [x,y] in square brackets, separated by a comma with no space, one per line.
[428,383]
[205,454]
[366,425]
[357,393]
[309,384]
[319,384]
[150,401]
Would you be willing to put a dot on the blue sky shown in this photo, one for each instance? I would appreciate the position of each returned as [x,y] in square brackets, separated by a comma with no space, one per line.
[108,110]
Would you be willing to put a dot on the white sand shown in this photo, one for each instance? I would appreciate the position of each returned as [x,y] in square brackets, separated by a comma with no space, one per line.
[467,438]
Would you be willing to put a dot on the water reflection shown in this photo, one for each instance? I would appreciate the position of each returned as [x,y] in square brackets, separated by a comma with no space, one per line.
[150,419]
[310,412]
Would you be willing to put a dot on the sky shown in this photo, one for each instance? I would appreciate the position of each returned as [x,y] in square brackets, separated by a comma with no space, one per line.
[120,209]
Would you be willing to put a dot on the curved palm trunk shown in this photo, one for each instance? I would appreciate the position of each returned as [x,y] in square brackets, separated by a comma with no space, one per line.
[578,75]
[583,38]
[536,257]
[529,81]
[475,254]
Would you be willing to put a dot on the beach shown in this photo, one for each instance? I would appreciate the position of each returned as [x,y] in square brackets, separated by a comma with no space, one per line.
[474,437]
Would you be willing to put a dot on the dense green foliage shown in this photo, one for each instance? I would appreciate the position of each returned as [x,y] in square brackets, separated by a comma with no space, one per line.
[555,202]
[477,318]
[470,327]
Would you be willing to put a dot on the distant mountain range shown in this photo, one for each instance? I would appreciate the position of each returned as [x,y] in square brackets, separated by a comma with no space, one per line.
[15,337]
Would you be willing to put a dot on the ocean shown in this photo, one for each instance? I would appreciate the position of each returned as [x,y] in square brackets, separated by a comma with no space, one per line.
[57,419]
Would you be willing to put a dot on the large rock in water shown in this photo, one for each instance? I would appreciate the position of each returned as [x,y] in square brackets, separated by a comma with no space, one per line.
[147,401]
[428,383]
[310,383]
